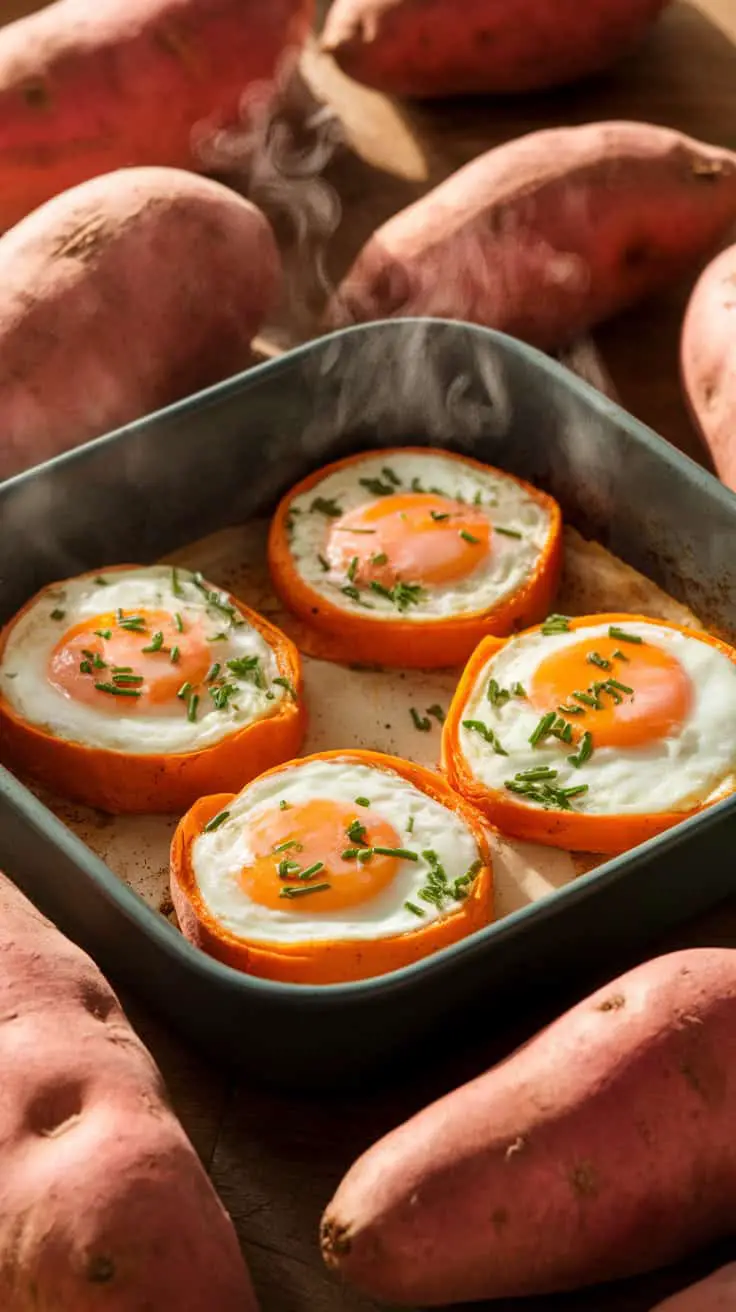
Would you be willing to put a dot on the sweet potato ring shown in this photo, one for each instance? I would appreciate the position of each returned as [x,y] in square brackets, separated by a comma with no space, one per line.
[329,962]
[412,644]
[575,832]
[129,782]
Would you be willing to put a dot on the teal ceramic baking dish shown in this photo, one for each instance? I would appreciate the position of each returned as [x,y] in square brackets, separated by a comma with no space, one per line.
[226,455]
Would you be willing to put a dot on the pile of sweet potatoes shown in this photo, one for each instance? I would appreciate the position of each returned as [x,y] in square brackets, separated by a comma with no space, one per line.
[104,1205]
[604,1147]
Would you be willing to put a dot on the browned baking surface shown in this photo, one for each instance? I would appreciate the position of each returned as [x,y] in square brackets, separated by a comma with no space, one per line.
[277,1160]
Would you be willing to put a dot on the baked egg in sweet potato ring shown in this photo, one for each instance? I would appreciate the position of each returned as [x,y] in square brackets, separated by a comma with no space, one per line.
[340,866]
[139,689]
[408,557]
[595,733]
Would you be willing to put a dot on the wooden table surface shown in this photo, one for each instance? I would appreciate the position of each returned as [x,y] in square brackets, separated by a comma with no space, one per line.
[276,1159]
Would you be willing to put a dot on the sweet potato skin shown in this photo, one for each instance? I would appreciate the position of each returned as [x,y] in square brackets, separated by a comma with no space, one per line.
[716,1294]
[428,48]
[121,296]
[89,88]
[103,1201]
[708,361]
[602,1148]
[547,235]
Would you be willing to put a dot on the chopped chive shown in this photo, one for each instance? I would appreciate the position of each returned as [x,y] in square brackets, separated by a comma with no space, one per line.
[410,825]
[356,832]
[381,590]
[133,625]
[362,801]
[284,805]
[507,532]
[218,637]
[85,667]
[571,710]
[594,658]
[438,516]
[376,487]
[57,614]
[350,853]
[543,728]
[402,853]
[312,870]
[350,591]
[327,507]
[556,624]
[620,655]
[415,910]
[185,690]
[178,621]
[102,583]
[391,475]
[437,712]
[212,672]
[379,559]
[174,656]
[288,685]
[248,668]
[156,643]
[115,691]
[365,854]
[584,752]
[352,569]
[574,792]
[324,564]
[518,690]
[478,498]
[287,867]
[218,601]
[292,891]
[215,822]
[537,772]
[477,726]
[419,721]
[496,695]
[468,537]
[587,700]
[175,584]
[221,694]
[621,636]
[613,683]
[416,485]
[363,532]
[290,843]
[103,633]
[192,708]
[127,680]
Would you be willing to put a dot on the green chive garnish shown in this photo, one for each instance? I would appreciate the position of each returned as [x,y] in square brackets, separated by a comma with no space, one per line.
[349,590]
[584,752]
[585,697]
[362,801]
[179,622]
[380,559]
[537,772]
[356,832]
[103,633]
[507,532]
[438,516]
[390,474]
[291,844]
[312,870]
[288,685]
[571,710]
[496,695]
[437,712]
[85,667]
[410,825]
[543,728]
[420,723]
[621,636]
[100,581]
[174,656]
[156,643]
[192,708]
[324,564]
[594,659]
[248,668]
[352,569]
[622,687]
[57,614]
[620,655]
[323,506]
[556,624]
[415,910]
[293,890]
[212,672]
[185,690]
[284,806]
[175,584]
[215,822]
[218,637]
[468,537]
[518,690]
[477,726]
[376,487]
[401,853]
[115,691]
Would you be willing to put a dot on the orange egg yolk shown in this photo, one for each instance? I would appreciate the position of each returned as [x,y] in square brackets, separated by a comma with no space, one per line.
[127,661]
[417,537]
[650,696]
[316,834]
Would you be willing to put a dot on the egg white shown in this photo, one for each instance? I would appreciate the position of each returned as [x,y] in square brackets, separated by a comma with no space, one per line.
[24,684]
[675,773]
[220,855]
[504,502]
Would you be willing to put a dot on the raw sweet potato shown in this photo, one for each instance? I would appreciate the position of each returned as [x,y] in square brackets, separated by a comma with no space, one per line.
[120,296]
[547,235]
[434,48]
[86,88]
[602,1148]
[103,1201]
[708,359]
[716,1294]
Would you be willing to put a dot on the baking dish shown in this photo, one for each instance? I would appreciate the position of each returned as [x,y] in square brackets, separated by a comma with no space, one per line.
[223,457]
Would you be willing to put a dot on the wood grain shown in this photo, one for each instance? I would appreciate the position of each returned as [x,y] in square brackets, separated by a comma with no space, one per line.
[275,1160]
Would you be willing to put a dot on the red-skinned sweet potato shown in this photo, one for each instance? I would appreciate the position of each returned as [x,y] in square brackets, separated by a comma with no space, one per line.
[432,48]
[716,1294]
[708,361]
[86,88]
[103,1201]
[549,234]
[121,296]
[602,1148]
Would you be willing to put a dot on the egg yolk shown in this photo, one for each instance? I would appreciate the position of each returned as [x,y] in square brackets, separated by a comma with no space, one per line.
[300,860]
[640,692]
[417,537]
[127,661]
